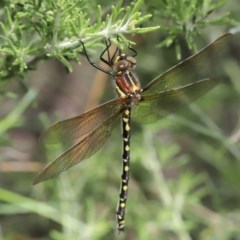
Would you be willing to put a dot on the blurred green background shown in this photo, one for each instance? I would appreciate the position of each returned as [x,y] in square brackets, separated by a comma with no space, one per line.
[184,181]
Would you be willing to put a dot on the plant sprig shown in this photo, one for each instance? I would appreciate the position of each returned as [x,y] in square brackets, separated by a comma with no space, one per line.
[34,30]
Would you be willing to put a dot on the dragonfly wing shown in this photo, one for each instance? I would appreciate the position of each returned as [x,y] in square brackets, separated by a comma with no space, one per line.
[155,106]
[85,148]
[77,127]
[204,64]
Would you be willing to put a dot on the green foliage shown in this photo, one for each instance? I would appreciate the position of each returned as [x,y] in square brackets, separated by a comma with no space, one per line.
[35,30]
[186,18]
[185,170]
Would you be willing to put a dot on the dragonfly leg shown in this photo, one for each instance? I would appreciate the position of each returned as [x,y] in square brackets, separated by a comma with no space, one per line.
[133,50]
[120,212]
[129,47]
[110,60]
[101,58]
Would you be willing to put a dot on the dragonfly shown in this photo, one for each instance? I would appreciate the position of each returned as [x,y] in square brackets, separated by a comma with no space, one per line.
[167,93]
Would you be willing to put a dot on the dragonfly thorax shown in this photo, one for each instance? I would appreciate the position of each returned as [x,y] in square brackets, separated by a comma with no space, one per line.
[127,84]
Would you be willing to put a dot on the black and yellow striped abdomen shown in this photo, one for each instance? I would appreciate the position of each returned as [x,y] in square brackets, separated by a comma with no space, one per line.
[126,118]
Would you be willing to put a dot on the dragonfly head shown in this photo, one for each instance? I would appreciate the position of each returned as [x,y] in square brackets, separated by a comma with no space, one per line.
[123,63]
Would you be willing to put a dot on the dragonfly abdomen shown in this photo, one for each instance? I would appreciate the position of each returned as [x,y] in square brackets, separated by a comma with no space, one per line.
[120,212]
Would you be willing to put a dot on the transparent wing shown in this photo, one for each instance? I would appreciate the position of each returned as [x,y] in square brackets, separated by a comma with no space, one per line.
[155,106]
[69,130]
[85,148]
[204,64]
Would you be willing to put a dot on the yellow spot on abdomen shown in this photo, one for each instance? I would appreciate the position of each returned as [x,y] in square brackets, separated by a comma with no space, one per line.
[121,223]
[127,127]
[126,112]
[122,205]
[127,148]
[126,168]
[125,188]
